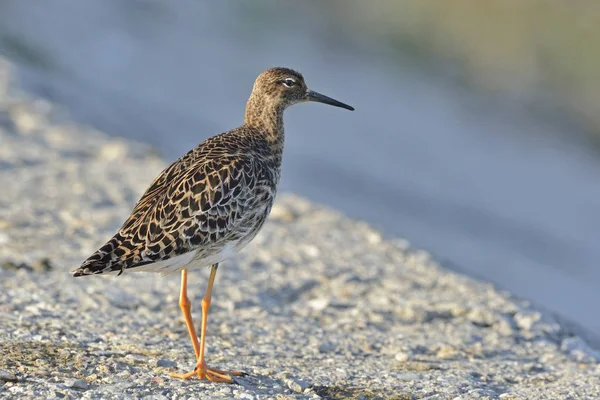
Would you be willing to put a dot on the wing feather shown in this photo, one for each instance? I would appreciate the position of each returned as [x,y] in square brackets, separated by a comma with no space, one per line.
[196,204]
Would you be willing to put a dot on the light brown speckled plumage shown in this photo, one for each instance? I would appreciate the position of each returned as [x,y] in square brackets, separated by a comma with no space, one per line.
[210,202]
[216,195]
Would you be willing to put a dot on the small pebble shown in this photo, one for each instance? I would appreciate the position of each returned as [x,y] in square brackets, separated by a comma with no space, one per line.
[525,320]
[319,304]
[137,358]
[482,394]
[297,385]
[7,376]
[409,376]
[326,347]
[402,356]
[165,363]
[155,397]
[112,150]
[77,384]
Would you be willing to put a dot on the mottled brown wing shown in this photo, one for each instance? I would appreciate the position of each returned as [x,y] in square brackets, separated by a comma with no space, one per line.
[186,207]
[160,184]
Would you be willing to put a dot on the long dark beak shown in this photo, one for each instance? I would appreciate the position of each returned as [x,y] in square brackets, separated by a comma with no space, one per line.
[321,98]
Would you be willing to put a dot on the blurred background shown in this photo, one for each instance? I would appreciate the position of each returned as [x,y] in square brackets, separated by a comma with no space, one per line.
[475,136]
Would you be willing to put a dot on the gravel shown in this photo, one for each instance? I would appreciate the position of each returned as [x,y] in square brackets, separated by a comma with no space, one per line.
[318,306]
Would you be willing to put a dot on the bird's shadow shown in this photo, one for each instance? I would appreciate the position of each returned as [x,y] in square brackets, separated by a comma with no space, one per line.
[253,382]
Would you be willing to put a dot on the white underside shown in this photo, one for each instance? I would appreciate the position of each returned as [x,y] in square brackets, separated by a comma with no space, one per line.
[189,260]
[196,259]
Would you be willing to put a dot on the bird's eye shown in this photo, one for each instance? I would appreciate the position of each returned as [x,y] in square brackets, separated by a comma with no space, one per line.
[288,82]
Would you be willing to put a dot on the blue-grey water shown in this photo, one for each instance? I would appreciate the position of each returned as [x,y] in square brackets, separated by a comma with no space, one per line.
[486,187]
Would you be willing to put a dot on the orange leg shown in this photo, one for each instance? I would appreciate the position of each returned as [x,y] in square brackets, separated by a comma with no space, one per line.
[186,308]
[201,370]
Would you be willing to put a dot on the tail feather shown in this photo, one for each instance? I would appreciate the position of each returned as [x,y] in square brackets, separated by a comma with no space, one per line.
[90,268]
[106,259]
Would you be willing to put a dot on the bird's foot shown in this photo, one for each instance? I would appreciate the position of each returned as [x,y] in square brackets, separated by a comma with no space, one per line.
[212,374]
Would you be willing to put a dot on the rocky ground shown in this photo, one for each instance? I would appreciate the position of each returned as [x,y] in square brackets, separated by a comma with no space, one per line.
[318,306]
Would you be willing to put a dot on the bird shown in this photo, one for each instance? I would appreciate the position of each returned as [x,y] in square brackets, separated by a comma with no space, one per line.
[209,203]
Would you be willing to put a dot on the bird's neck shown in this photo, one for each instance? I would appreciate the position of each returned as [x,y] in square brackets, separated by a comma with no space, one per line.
[266,117]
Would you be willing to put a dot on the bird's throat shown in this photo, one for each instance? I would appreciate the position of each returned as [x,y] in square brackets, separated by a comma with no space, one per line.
[266,117]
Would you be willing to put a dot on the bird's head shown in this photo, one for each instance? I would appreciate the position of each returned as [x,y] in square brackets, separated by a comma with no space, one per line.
[285,87]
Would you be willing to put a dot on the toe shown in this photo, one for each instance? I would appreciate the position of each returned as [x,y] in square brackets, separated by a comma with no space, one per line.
[222,372]
[219,378]
[182,376]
